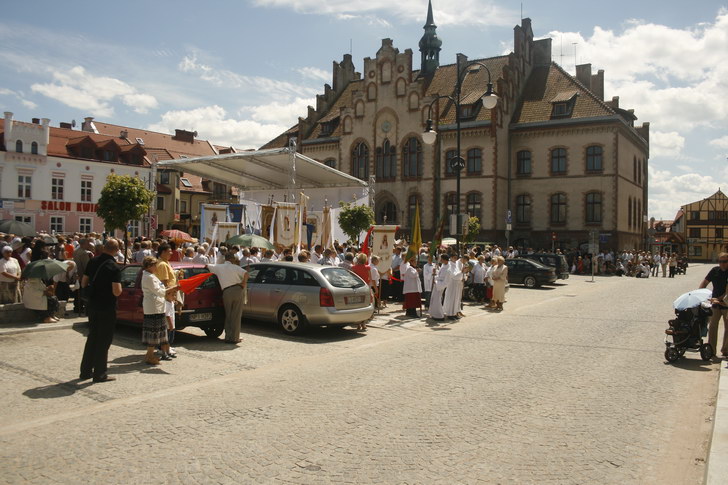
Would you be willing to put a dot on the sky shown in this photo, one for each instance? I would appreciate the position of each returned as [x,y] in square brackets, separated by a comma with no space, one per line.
[239,72]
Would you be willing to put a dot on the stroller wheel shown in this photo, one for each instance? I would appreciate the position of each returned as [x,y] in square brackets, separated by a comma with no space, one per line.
[671,354]
[706,352]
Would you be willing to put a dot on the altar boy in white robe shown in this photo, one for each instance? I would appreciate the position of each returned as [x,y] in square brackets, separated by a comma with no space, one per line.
[440,282]
[454,291]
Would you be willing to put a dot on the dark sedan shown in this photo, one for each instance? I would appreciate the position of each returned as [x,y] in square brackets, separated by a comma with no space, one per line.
[529,273]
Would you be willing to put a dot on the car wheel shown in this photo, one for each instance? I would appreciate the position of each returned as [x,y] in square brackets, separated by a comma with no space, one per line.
[291,320]
[213,332]
[529,282]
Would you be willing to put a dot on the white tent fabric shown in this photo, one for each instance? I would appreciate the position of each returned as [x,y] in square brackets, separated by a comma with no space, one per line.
[274,169]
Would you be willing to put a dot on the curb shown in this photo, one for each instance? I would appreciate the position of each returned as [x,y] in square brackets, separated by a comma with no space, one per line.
[717,470]
[41,327]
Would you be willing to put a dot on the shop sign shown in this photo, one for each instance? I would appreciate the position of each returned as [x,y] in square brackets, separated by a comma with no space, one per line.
[60,206]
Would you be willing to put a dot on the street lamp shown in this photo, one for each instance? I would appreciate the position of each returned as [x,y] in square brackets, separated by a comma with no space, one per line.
[489,100]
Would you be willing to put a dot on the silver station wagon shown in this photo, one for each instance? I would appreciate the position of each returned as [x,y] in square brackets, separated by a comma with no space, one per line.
[295,295]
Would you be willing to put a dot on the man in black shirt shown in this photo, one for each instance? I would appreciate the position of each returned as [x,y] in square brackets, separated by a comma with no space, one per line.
[718,276]
[104,276]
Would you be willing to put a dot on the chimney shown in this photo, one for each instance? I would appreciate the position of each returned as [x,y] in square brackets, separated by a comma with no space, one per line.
[46,124]
[8,127]
[66,125]
[184,135]
[36,121]
[597,84]
[124,134]
[88,125]
[542,52]
[584,75]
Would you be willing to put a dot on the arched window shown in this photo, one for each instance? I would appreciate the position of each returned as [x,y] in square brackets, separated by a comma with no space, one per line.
[449,156]
[387,213]
[523,209]
[401,87]
[359,109]
[360,161]
[451,203]
[412,202]
[638,215]
[558,161]
[475,161]
[412,158]
[639,172]
[414,101]
[472,204]
[634,169]
[594,159]
[386,72]
[523,162]
[330,162]
[629,213]
[593,208]
[371,92]
[19,146]
[34,148]
[386,166]
[558,209]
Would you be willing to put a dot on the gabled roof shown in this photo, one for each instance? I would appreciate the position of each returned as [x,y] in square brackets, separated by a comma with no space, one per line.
[551,84]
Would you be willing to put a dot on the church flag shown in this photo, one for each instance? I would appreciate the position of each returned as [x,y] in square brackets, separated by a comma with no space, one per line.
[416,237]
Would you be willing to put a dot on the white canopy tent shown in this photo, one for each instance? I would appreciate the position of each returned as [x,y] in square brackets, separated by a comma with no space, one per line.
[262,173]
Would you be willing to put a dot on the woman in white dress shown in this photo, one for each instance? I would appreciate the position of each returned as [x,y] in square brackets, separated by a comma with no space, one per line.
[499,275]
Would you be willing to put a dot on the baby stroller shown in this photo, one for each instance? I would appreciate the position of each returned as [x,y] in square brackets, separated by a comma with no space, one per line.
[689,328]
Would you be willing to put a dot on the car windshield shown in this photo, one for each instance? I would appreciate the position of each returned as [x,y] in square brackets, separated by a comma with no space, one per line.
[342,278]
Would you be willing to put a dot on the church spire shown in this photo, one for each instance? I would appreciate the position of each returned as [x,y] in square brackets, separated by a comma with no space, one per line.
[430,45]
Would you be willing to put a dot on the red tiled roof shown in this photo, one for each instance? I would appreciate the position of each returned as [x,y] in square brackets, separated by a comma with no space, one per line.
[153,139]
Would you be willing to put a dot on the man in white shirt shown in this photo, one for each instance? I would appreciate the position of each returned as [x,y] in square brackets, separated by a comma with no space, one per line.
[246,260]
[200,257]
[233,280]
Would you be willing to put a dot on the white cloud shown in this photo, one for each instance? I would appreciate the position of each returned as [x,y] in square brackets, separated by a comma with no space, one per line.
[668,191]
[212,123]
[721,142]
[463,12]
[666,144]
[228,79]
[672,77]
[284,114]
[79,89]
[314,73]
[26,102]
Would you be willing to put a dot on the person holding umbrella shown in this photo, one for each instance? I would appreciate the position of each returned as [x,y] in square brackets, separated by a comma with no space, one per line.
[39,289]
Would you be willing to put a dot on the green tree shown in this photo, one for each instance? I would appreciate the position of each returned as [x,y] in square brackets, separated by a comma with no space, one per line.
[124,198]
[354,219]
[473,229]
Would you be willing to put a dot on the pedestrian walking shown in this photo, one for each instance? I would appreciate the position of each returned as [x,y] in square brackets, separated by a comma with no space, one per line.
[718,277]
[103,276]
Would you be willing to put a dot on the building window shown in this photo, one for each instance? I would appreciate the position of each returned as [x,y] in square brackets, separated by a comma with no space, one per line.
[639,172]
[387,213]
[523,162]
[386,165]
[629,213]
[634,169]
[412,202]
[85,191]
[558,209]
[134,229]
[183,206]
[594,159]
[719,233]
[694,215]
[330,162]
[695,232]
[523,209]
[26,219]
[164,178]
[451,203]
[360,161]
[472,203]
[449,156]
[561,109]
[160,203]
[24,183]
[412,158]
[558,161]
[34,148]
[108,155]
[56,224]
[56,189]
[84,225]
[695,251]
[19,146]
[475,161]
[186,183]
[594,208]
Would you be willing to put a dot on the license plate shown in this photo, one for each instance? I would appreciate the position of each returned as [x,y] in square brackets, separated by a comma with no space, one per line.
[200,317]
[349,300]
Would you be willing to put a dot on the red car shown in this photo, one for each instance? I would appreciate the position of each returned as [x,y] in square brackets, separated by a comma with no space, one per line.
[203,308]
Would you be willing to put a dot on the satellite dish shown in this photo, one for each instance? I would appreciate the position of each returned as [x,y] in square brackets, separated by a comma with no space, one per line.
[73,123]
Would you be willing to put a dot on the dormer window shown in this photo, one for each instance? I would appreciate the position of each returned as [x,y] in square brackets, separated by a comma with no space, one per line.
[468,111]
[563,104]
[186,182]
[108,155]
[328,127]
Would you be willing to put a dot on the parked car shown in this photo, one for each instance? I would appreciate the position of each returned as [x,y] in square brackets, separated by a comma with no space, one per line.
[202,309]
[529,273]
[295,295]
[556,261]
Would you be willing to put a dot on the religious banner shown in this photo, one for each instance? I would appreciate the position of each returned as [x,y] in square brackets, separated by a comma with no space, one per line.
[285,223]
[266,218]
[326,228]
[226,230]
[383,246]
[211,215]
[313,220]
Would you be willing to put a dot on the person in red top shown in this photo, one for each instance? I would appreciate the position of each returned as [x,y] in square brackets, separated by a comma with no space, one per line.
[176,254]
[363,271]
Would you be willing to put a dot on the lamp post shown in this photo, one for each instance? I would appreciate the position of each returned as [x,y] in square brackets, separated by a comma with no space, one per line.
[489,100]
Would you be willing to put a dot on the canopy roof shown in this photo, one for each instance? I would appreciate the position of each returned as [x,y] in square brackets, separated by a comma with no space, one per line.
[264,170]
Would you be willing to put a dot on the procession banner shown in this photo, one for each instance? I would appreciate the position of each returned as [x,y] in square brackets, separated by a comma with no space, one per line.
[285,223]
[211,215]
[326,229]
[313,221]
[226,230]
[266,217]
[383,245]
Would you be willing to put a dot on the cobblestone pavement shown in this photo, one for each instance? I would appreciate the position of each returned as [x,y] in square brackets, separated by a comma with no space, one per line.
[567,385]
